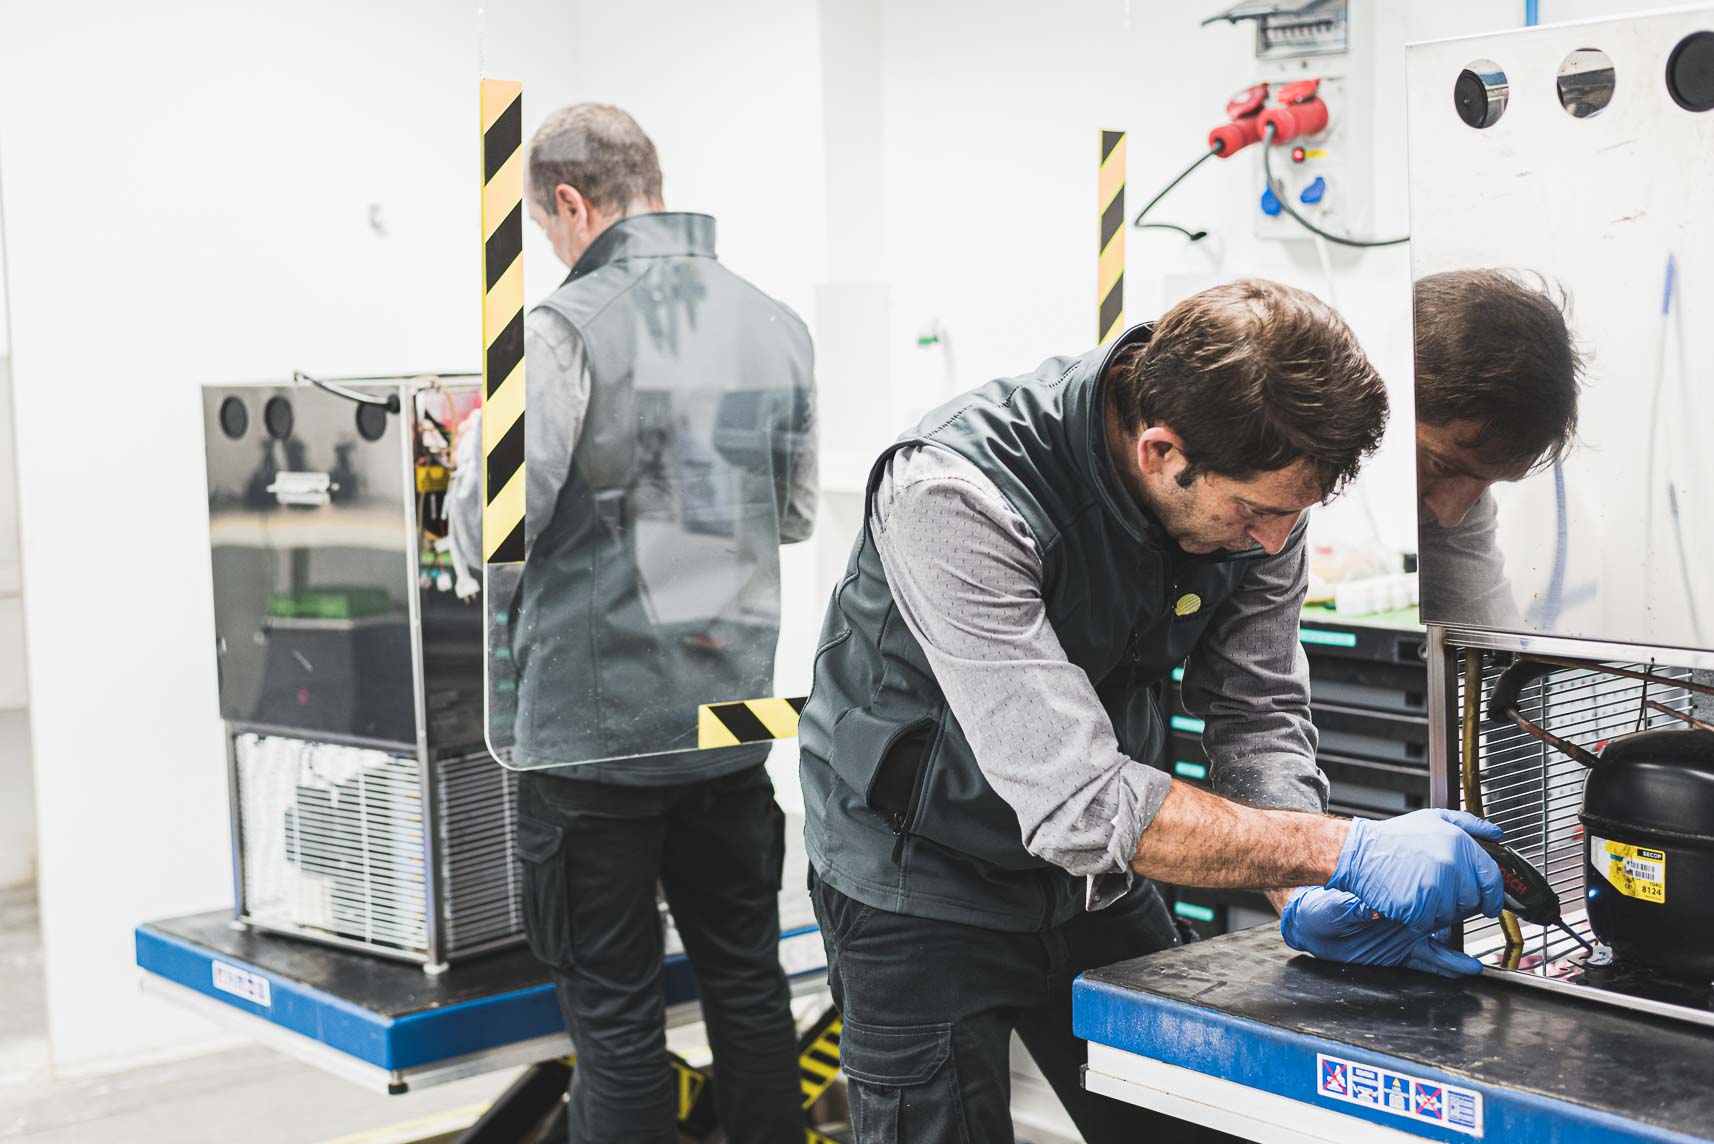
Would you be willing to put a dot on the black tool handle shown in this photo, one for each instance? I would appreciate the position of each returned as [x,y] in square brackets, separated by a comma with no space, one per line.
[1529,895]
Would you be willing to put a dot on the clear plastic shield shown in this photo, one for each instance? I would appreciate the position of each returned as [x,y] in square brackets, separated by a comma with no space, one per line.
[649,452]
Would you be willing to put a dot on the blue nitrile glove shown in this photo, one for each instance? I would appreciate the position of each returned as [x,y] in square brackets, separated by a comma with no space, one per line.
[1423,868]
[1335,926]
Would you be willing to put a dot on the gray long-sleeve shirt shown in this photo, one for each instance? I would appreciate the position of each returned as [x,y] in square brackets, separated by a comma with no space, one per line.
[967,579]
[1463,571]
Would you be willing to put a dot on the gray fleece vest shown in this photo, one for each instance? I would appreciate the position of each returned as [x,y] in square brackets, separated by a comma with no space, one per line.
[898,813]
[655,586]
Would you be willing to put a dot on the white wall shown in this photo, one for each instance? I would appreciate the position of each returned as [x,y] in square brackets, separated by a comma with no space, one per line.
[196,209]
[991,146]
[17,785]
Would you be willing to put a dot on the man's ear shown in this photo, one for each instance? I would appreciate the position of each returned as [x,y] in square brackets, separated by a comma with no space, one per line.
[1160,451]
[570,204]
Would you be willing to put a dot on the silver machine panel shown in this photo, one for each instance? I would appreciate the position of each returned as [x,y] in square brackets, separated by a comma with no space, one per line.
[366,811]
[1575,159]
[322,608]
[1585,171]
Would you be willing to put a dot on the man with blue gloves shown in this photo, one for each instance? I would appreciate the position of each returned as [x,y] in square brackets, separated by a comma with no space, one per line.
[1345,921]
[981,814]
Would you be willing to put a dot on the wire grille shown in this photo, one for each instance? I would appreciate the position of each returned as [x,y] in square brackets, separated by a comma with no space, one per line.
[481,903]
[331,842]
[1533,792]
[331,839]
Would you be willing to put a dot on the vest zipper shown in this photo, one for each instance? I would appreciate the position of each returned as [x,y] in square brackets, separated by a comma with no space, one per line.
[902,821]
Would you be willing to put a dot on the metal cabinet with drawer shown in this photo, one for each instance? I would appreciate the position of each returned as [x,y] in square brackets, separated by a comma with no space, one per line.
[1368,682]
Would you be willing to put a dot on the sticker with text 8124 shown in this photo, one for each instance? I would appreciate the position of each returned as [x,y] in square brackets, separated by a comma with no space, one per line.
[1635,871]
[1384,1090]
[252,987]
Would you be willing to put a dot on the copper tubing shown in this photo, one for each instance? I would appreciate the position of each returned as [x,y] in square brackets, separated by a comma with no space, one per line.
[1691,719]
[1563,746]
[1583,665]
[1473,787]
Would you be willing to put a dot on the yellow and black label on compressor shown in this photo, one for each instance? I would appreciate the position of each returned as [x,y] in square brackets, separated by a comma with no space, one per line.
[502,321]
[1635,871]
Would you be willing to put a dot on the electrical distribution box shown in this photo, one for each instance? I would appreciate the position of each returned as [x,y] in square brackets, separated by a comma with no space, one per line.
[1325,175]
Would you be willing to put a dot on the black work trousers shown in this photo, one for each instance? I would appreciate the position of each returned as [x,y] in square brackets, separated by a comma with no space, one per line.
[593,854]
[930,1007]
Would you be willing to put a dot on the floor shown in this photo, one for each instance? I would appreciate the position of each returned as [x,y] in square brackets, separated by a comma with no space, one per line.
[249,1094]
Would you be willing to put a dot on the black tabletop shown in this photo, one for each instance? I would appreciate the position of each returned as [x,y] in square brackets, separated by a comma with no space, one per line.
[389,988]
[1649,1069]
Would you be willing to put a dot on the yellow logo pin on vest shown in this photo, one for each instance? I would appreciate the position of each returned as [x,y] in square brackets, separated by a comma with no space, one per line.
[1188,603]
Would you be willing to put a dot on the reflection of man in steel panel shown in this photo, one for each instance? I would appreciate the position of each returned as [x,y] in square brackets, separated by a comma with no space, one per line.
[1496,400]
[669,456]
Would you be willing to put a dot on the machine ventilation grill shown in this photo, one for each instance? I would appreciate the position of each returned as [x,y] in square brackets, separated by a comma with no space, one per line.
[332,840]
[332,845]
[481,882]
[1533,791]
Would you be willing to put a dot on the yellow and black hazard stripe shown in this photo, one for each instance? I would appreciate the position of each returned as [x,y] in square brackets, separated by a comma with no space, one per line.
[818,1056]
[696,1112]
[1110,263]
[502,321]
[747,721]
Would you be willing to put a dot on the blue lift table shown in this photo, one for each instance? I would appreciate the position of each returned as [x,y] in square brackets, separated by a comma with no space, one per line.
[1244,1035]
[384,1024]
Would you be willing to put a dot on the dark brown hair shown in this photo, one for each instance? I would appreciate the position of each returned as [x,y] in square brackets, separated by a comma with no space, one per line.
[598,149]
[1255,376]
[1495,348]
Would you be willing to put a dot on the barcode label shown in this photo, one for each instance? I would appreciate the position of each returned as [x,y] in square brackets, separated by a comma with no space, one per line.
[1634,871]
[1647,871]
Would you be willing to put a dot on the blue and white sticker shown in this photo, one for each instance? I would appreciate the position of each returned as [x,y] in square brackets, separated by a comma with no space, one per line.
[1424,1101]
[252,987]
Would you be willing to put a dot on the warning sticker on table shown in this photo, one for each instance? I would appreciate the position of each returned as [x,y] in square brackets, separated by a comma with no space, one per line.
[241,983]
[1635,871]
[1412,1097]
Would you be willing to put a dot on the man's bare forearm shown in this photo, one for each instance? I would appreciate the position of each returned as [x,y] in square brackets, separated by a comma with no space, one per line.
[1201,839]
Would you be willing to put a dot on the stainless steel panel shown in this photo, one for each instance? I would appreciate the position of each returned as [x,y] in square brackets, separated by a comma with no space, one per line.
[334,616]
[311,593]
[1603,199]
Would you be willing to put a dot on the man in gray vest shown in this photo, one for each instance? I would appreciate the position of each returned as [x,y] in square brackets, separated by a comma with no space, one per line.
[670,454]
[982,820]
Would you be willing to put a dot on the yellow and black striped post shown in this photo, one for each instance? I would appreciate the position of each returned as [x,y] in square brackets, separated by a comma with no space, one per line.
[747,721]
[1110,276]
[502,321]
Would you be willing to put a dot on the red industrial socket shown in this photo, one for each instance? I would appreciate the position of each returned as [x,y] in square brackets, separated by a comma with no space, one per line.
[1298,112]
[1244,110]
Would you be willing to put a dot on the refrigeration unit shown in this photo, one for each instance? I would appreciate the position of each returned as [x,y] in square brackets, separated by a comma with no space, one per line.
[366,811]
[1577,157]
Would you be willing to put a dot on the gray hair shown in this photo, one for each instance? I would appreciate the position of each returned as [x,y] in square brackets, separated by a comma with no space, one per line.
[598,149]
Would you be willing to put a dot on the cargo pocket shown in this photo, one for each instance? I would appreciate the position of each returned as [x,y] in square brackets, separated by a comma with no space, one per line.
[540,849]
[902,1083]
